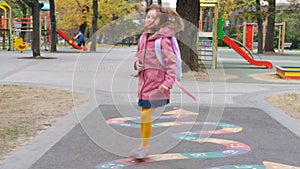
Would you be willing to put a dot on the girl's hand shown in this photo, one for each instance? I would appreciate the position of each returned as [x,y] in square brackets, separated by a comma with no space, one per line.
[162,88]
[139,66]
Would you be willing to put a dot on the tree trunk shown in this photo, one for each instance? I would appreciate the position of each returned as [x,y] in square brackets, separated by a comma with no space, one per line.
[36,39]
[149,2]
[269,44]
[189,11]
[94,26]
[53,27]
[82,27]
[260,28]
[159,2]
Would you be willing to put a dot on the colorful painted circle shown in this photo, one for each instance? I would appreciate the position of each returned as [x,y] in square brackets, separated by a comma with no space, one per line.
[232,148]
[240,167]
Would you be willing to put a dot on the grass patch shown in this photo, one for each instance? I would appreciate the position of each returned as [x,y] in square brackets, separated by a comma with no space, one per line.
[27,111]
[288,103]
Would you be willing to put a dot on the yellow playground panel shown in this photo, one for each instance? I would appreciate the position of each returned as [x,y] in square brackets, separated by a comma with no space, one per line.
[20,45]
[209,1]
[288,72]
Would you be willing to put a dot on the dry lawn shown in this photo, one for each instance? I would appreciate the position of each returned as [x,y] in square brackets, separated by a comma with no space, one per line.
[289,103]
[27,111]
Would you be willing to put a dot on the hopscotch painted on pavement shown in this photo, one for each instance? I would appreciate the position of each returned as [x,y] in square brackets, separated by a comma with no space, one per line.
[232,148]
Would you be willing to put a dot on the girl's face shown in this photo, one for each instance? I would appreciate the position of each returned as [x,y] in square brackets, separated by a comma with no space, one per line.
[152,19]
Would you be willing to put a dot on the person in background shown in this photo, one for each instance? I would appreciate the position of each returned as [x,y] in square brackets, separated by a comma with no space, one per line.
[80,39]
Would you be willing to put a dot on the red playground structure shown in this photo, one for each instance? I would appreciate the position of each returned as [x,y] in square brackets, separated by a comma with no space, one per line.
[235,46]
[71,42]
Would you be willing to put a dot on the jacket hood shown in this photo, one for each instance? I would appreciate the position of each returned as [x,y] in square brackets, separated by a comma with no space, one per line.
[165,31]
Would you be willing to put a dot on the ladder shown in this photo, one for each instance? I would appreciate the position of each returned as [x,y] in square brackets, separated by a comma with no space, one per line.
[205,46]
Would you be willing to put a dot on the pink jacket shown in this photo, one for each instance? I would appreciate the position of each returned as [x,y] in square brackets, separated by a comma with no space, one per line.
[154,74]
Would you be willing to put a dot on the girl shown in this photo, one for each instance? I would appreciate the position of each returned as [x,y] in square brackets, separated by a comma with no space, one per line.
[155,81]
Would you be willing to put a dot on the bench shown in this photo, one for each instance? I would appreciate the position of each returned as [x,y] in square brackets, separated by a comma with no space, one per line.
[255,44]
[288,45]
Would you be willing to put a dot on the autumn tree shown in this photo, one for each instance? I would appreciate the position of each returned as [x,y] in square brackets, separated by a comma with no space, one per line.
[73,15]
[189,11]
[71,18]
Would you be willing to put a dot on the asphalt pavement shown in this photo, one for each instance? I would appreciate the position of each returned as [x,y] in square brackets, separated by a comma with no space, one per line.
[229,126]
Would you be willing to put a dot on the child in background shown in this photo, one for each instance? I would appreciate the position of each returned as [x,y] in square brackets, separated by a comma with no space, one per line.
[155,81]
[80,38]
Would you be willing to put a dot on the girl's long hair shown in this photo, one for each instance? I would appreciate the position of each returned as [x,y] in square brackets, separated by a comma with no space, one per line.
[167,16]
[158,10]
[171,17]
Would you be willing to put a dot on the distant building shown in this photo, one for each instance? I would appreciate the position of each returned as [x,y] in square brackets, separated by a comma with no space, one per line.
[280,2]
[166,4]
[143,2]
[170,3]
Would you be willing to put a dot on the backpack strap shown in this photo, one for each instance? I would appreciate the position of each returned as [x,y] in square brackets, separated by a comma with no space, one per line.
[158,52]
[175,47]
[176,51]
[184,90]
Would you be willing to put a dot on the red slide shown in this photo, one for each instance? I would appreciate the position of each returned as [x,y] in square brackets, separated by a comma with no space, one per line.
[241,52]
[72,43]
[234,45]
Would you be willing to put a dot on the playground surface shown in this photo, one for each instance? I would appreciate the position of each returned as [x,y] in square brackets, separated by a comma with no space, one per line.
[231,125]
